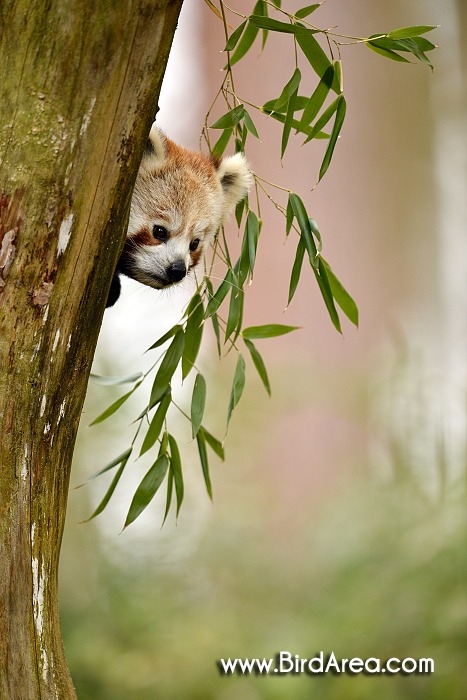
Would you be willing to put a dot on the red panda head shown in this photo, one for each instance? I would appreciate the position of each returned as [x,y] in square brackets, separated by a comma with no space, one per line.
[180,200]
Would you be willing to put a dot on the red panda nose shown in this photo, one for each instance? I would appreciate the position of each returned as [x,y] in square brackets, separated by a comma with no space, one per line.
[176,271]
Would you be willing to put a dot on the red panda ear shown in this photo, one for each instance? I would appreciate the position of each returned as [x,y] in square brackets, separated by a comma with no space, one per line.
[235,178]
[155,153]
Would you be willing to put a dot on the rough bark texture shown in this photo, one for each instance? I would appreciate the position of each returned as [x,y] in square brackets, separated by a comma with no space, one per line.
[79,90]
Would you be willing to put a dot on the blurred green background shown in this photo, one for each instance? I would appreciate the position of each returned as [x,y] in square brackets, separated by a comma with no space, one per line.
[339,520]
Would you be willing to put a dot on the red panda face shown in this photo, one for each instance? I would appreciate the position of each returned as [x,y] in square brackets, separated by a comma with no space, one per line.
[180,200]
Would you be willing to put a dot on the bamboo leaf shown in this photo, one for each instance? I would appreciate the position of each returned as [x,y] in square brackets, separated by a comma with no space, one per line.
[147,489]
[386,52]
[113,485]
[213,8]
[305,11]
[200,439]
[229,119]
[113,381]
[323,120]
[325,288]
[298,126]
[300,103]
[235,36]
[296,269]
[249,35]
[114,407]
[118,460]
[341,295]
[214,319]
[305,228]
[271,330]
[275,25]
[193,336]
[289,89]
[198,403]
[259,364]
[235,309]
[407,32]
[318,97]
[336,129]
[168,500]
[252,228]
[221,292]
[248,121]
[156,424]
[316,57]
[222,142]
[214,444]
[164,338]
[237,386]
[176,469]
[288,123]
[167,367]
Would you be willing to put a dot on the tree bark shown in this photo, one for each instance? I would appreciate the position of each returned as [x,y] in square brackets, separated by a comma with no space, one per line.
[79,89]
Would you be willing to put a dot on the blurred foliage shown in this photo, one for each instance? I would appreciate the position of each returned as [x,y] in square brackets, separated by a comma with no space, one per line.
[379,573]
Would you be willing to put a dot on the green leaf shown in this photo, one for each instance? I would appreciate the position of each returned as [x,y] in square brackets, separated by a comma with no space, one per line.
[221,292]
[300,103]
[290,88]
[316,57]
[123,459]
[229,119]
[168,500]
[200,439]
[198,403]
[234,37]
[297,125]
[237,386]
[288,123]
[342,297]
[297,268]
[407,32]
[250,34]
[167,367]
[248,121]
[193,336]
[325,287]
[252,232]
[412,46]
[222,142]
[176,469]
[316,233]
[259,364]
[214,444]
[114,407]
[156,424]
[147,489]
[164,338]
[305,228]
[318,97]
[235,307]
[289,216]
[336,129]
[275,26]
[323,120]
[305,11]
[112,381]
[271,330]
[386,52]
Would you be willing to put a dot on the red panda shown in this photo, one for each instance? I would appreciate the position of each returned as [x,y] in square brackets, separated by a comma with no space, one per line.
[181,199]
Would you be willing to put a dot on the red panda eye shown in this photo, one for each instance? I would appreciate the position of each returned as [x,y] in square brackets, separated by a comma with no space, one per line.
[160,232]
[194,244]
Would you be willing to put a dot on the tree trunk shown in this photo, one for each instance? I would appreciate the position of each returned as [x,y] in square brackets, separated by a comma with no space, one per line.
[78,93]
